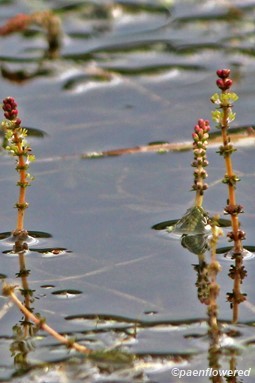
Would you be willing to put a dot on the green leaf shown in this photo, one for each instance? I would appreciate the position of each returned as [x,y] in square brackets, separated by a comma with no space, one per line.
[216,99]
[231,117]
[217,116]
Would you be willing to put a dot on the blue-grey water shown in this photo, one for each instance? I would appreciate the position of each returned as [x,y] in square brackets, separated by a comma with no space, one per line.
[127,73]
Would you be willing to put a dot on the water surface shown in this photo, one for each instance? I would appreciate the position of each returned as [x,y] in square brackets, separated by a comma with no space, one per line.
[127,73]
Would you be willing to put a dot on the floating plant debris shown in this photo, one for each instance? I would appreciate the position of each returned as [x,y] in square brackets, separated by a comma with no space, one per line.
[241,136]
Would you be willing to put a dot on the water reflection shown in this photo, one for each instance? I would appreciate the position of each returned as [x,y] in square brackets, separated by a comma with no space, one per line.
[101,330]
[47,20]
[21,76]
[203,243]
[208,290]
[51,25]
[24,331]
[27,239]
[200,244]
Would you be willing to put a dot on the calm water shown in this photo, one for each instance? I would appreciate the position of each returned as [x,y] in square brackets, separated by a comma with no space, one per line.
[127,73]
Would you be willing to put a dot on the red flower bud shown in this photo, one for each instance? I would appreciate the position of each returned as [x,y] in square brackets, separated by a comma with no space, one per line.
[220,84]
[224,84]
[207,126]
[201,123]
[11,115]
[228,83]
[223,73]
[199,131]
[11,101]
[18,122]
[9,107]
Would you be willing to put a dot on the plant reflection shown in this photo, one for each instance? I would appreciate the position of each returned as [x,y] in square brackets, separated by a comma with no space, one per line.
[47,20]
[25,330]
[208,290]
[50,23]
[198,244]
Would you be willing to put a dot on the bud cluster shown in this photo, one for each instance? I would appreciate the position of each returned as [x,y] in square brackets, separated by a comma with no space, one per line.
[224,82]
[223,115]
[200,141]
[10,110]
[15,135]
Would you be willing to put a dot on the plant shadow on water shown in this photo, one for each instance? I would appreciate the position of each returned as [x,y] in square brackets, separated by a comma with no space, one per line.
[121,75]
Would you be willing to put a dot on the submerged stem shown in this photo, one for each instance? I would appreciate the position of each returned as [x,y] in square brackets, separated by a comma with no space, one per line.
[9,291]
[213,270]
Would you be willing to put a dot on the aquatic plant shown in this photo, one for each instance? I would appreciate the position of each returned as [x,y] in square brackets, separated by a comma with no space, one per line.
[196,219]
[8,290]
[223,116]
[16,145]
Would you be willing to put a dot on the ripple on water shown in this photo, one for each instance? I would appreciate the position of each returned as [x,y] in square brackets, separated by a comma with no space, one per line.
[10,240]
[68,293]
[51,252]
[33,237]
[47,287]
[227,253]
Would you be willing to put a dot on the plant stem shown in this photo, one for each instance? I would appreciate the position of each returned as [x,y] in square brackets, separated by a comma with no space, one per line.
[9,291]
[23,274]
[213,269]
[238,247]
[199,198]
[200,143]
[23,183]
[223,116]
